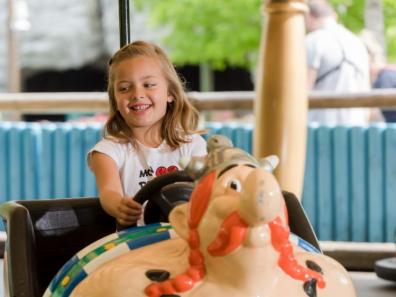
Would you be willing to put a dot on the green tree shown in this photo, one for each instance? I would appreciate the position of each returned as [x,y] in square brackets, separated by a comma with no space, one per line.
[223,33]
[351,14]
[209,31]
[390,28]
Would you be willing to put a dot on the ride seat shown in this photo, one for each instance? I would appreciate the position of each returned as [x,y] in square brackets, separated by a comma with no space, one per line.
[43,234]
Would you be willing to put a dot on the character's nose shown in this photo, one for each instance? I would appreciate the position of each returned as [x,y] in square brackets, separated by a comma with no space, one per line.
[261,198]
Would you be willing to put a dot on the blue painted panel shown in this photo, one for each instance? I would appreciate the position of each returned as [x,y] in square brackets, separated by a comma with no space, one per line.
[390,184]
[46,157]
[29,165]
[243,137]
[4,162]
[91,137]
[16,174]
[76,161]
[61,163]
[309,198]
[358,176]
[340,169]
[375,183]
[324,183]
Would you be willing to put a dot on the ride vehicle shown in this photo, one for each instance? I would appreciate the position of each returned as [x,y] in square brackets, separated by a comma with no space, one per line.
[231,239]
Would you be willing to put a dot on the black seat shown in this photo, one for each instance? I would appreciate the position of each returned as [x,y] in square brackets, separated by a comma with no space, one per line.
[43,234]
[298,220]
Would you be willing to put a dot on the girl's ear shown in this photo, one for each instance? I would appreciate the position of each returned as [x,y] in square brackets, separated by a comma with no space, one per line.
[170,99]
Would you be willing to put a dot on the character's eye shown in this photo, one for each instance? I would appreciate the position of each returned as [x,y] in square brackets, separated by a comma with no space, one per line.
[235,185]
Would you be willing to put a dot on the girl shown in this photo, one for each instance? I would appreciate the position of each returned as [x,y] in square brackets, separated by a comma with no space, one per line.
[151,126]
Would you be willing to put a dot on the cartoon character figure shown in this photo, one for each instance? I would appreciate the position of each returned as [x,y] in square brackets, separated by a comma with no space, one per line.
[233,240]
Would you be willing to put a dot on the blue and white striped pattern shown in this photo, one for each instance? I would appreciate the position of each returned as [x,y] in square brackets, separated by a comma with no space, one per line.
[102,251]
[305,245]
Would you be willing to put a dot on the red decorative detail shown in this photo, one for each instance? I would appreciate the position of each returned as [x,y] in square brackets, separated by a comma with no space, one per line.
[200,199]
[193,240]
[231,235]
[172,168]
[280,241]
[160,171]
[181,283]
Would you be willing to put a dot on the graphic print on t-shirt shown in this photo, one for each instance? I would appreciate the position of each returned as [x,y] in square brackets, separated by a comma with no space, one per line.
[150,173]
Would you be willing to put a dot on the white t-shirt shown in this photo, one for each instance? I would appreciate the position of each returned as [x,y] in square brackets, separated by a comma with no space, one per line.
[138,166]
[342,65]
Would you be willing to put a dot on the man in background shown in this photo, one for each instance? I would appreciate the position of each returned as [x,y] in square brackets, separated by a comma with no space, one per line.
[337,61]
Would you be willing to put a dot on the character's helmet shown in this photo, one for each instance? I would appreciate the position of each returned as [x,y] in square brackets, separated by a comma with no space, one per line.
[222,154]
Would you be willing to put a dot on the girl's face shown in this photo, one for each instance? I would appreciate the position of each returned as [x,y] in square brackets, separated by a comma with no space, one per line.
[141,92]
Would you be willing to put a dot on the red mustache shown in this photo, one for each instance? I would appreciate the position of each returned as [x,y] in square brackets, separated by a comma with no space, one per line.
[231,235]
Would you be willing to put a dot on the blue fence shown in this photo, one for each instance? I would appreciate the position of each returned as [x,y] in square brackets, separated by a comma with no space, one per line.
[349,187]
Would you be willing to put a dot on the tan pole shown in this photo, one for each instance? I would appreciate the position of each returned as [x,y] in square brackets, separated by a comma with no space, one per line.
[281,103]
[14,75]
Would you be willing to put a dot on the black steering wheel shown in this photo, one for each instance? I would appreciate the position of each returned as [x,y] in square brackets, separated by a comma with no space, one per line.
[163,193]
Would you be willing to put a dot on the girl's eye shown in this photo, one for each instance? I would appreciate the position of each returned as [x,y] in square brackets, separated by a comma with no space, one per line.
[149,85]
[122,89]
[235,185]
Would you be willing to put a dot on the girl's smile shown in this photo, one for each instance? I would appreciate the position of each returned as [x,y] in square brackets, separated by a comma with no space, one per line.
[139,107]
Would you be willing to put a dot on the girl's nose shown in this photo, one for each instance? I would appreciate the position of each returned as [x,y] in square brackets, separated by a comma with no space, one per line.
[136,94]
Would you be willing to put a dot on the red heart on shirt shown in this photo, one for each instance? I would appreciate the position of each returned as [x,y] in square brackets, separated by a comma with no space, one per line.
[162,170]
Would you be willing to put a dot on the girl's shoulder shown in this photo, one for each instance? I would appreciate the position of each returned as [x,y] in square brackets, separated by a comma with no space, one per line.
[197,138]
[116,150]
[113,143]
[192,139]
[113,147]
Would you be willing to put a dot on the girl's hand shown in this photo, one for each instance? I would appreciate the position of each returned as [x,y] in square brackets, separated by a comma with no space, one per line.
[128,211]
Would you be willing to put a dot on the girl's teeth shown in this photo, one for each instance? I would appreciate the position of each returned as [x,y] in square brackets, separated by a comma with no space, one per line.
[140,107]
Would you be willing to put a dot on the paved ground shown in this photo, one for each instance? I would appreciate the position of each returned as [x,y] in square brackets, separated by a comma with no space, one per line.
[367,284]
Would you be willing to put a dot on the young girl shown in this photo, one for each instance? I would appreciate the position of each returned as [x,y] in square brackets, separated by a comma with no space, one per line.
[151,126]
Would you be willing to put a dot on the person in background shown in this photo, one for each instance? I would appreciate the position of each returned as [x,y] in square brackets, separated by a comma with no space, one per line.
[337,61]
[151,126]
[382,75]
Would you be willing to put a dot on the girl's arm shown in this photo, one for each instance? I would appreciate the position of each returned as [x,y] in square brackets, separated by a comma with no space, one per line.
[124,209]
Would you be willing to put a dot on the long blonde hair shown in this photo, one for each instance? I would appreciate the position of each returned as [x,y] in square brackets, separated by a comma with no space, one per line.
[181,118]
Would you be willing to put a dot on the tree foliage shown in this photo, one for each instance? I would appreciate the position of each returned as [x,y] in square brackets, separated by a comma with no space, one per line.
[390,28]
[217,32]
[351,14]
[228,32]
